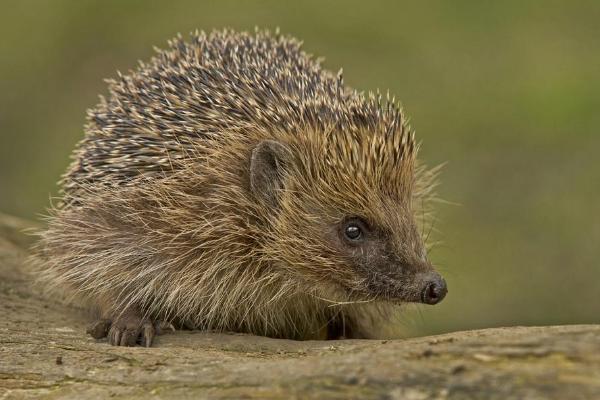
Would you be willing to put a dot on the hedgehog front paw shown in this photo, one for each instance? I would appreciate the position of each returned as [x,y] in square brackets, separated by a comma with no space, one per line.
[126,330]
[130,330]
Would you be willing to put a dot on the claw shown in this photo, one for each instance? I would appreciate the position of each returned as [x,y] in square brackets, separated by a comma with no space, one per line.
[114,336]
[148,333]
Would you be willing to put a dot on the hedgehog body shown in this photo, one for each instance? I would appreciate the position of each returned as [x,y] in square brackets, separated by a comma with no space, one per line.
[231,183]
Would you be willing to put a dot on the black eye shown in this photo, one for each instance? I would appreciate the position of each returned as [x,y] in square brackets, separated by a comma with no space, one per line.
[353,231]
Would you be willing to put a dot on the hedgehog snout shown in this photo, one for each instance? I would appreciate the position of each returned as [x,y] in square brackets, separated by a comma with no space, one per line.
[435,289]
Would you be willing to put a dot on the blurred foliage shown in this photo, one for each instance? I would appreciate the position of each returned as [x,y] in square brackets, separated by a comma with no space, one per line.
[507,92]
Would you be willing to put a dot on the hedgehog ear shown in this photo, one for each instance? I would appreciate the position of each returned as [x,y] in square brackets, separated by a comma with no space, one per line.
[268,164]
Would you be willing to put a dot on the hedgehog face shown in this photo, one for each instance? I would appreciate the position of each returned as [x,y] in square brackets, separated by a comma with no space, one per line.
[389,256]
[341,228]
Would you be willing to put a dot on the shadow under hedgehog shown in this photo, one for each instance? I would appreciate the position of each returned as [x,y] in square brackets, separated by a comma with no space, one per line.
[232,184]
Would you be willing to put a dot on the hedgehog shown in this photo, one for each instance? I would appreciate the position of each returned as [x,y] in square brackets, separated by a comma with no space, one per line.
[233,184]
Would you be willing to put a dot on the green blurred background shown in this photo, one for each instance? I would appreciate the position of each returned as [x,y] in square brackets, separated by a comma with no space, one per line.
[507,92]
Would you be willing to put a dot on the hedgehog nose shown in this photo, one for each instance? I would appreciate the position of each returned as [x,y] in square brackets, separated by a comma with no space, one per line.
[434,291]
